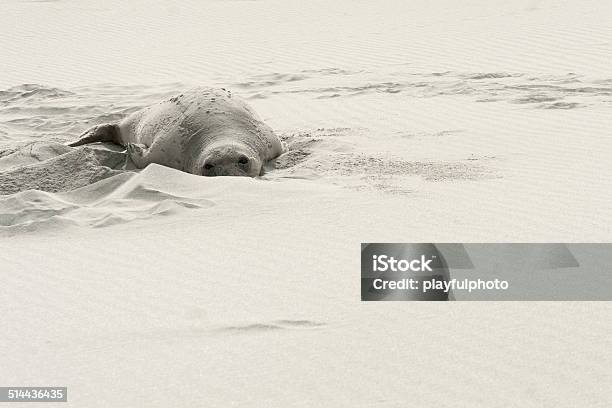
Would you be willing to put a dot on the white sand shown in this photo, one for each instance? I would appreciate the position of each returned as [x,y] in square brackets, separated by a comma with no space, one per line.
[407,122]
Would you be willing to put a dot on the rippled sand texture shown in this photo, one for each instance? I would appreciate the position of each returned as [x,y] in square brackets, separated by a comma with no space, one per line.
[413,121]
[144,42]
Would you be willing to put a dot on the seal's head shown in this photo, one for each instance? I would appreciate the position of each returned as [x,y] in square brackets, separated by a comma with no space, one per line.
[230,160]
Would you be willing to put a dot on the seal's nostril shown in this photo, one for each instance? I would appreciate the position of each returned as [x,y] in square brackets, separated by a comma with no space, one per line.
[243,159]
[208,166]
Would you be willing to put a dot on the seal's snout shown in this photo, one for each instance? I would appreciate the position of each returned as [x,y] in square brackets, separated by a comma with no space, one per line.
[229,164]
[243,159]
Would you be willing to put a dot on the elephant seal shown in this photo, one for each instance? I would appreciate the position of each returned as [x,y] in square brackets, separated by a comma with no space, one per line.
[203,131]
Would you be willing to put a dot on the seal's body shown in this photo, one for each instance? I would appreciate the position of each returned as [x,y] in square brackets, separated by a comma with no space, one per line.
[202,131]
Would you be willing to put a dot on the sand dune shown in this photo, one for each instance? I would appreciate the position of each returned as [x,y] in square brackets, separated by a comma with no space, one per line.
[117,199]
[420,121]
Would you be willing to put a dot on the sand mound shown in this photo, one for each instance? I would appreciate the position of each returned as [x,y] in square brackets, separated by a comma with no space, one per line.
[120,198]
[49,185]
[53,167]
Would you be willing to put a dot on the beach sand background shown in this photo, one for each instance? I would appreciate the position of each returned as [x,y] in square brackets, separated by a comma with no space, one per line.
[420,121]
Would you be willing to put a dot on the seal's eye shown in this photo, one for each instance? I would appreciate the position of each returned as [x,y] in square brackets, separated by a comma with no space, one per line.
[208,166]
[243,160]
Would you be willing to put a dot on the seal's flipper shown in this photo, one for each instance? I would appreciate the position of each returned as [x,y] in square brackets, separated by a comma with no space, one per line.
[138,153]
[99,133]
